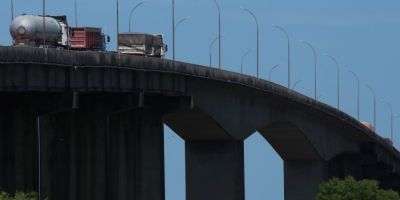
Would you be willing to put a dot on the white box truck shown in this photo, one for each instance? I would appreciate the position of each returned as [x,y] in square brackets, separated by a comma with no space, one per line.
[142,44]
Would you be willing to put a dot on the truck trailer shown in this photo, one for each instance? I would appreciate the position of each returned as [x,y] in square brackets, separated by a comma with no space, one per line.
[142,44]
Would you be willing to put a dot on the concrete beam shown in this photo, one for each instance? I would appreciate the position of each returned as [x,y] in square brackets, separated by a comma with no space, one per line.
[214,170]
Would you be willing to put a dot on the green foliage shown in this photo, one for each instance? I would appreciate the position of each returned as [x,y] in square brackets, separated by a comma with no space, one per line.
[5,196]
[350,189]
[388,195]
[18,196]
[25,196]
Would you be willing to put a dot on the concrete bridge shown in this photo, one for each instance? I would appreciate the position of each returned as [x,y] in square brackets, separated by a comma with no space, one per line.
[98,118]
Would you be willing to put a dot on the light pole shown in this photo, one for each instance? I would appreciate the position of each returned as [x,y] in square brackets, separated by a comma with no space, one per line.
[255,19]
[358,93]
[242,60]
[211,45]
[315,67]
[44,23]
[296,83]
[219,34]
[173,30]
[288,50]
[132,11]
[76,15]
[391,118]
[12,9]
[272,70]
[337,81]
[117,24]
[373,93]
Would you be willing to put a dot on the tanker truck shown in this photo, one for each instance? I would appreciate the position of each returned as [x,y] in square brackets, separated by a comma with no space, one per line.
[28,30]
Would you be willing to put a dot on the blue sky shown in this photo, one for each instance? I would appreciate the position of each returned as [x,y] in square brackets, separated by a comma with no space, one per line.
[363,35]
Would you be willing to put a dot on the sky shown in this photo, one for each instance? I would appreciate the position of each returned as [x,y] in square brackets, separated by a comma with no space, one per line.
[363,35]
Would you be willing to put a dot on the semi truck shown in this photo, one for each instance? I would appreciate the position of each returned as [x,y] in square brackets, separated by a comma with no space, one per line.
[142,44]
[54,32]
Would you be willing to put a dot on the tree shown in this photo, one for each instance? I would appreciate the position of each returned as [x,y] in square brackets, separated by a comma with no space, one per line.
[4,196]
[350,189]
[18,196]
[25,196]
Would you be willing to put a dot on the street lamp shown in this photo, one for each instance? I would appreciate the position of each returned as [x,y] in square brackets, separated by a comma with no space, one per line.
[132,11]
[242,60]
[272,70]
[117,1]
[173,30]
[219,34]
[288,49]
[358,92]
[391,118]
[373,93]
[44,23]
[76,15]
[315,67]
[211,45]
[179,23]
[338,80]
[296,83]
[255,19]
[12,9]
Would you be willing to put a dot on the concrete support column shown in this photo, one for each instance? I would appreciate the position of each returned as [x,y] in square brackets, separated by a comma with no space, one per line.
[57,160]
[18,161]
[103,151]
[214,170]
[136,155]
[74,152]
[302,179]
[18,136]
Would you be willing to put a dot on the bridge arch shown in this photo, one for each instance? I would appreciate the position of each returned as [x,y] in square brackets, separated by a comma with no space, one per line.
[191,124]
[289,142]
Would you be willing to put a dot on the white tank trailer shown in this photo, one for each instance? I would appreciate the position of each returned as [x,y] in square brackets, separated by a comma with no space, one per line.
[27,30]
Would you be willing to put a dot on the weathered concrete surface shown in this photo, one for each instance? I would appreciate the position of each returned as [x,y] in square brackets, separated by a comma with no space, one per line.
[201,105]
[108,148]
[136,155]
[215,170]
[18,137]
[302,178]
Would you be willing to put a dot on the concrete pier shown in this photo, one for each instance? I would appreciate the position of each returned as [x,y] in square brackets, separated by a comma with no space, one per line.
[302,179]
[136,155]
[214,170]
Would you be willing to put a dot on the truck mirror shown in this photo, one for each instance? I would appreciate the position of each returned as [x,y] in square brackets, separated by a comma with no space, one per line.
[108,38]
[166,48]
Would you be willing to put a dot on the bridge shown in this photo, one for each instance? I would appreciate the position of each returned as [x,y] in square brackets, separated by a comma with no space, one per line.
[89,125]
